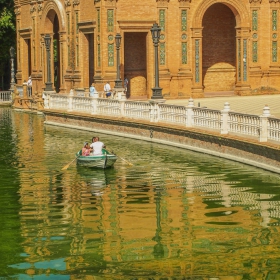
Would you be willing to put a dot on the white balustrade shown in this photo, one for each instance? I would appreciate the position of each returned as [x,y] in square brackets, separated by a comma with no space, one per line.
[245,124]
[207,118]
[58,101]
[137,110]
[81,104]
[273,129]
[5,96]
[172,113]
[225,121]
[109,107]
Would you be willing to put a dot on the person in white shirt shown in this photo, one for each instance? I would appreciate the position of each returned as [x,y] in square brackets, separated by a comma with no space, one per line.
[29,86]
[96,146]
[107,89]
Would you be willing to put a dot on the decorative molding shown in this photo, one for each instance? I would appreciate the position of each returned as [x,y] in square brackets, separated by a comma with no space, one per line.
[87,27]
[40,7]
[187,1]
[33,9]
[255,1]
[17,11]
[67,3]
[162,3]
[76,2]
[274,1]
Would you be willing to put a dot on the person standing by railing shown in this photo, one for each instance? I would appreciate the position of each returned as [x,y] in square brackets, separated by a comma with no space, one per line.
[107,90]
[29,86]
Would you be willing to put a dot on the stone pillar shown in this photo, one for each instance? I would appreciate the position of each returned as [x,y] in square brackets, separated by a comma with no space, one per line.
[155,112]
[189,113]
[224,118]
[242,66]
[264,124]
[197,87]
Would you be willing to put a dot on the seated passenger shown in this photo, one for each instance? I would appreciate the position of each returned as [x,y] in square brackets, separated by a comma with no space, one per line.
[86,149]
[97,146]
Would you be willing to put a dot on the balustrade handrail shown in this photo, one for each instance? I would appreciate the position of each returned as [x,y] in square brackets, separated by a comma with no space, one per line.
[262,127]
[5,96]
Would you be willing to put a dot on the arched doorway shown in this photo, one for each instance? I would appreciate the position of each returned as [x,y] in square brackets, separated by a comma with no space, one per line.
[52,27]
[219,49]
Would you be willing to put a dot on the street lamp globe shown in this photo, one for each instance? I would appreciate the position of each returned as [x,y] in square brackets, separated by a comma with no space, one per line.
[155,30]
[118,38]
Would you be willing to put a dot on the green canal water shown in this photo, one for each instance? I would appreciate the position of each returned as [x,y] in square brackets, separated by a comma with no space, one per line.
[174,214]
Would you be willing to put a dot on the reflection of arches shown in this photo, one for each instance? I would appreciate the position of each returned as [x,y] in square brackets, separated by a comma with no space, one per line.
[240,15]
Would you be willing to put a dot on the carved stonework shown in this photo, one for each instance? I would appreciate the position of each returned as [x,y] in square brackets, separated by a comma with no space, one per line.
[274,1]
[40,7]
[17,11]
[76,2]
[255,1]
[67,3]
[187,1]
[163,1]
[33,9]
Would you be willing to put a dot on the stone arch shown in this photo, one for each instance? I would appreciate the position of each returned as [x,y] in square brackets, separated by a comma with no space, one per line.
[53,23]
[52,9]
[237,7]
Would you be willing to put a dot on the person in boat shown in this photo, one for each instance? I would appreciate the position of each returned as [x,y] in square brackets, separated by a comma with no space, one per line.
[96,146]
[86,149]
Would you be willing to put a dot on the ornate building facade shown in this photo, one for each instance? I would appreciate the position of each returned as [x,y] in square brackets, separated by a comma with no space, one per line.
[205,45]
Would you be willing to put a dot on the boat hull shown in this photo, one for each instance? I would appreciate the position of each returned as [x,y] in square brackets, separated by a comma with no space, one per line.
[102,161]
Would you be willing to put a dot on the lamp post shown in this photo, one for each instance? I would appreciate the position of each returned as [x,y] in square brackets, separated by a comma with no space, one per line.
[157,91]
[47,39]
[118,81]
[12,55]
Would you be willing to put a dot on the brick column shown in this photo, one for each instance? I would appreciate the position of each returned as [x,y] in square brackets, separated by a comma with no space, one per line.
[197,85]
[242,61]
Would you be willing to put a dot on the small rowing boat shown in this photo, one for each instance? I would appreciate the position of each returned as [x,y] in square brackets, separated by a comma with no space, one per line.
[101,161]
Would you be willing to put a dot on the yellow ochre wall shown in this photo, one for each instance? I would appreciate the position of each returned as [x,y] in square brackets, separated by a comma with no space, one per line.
[205,46]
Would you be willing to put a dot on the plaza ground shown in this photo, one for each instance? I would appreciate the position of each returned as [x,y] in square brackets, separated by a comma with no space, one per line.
[253,104]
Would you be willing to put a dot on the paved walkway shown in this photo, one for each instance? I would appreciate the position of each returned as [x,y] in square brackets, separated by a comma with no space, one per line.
[242,104]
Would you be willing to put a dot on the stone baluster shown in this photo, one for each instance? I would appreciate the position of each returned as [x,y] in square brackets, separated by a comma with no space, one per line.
[94,103]
[46,98]
[224,119]
[70,103]
[189,113]
[264,124]
[122,107]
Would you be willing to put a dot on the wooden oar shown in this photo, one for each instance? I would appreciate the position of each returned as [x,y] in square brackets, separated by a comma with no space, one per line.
[67,165]
[128,162]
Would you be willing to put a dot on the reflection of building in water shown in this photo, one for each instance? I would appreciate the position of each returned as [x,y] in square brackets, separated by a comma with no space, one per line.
[175,224]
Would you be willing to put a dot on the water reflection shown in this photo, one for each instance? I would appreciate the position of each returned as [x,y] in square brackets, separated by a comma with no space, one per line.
[174,214]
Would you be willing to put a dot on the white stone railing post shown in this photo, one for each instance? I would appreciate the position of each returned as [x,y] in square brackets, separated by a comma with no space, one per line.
[122,106]
[70,103]
[264,124]
[94,103]
[225,118]
[155,109]
[189,113]
[46,98]
[154,116]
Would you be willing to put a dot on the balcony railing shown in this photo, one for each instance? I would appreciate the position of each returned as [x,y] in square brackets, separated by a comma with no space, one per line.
[223,121]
